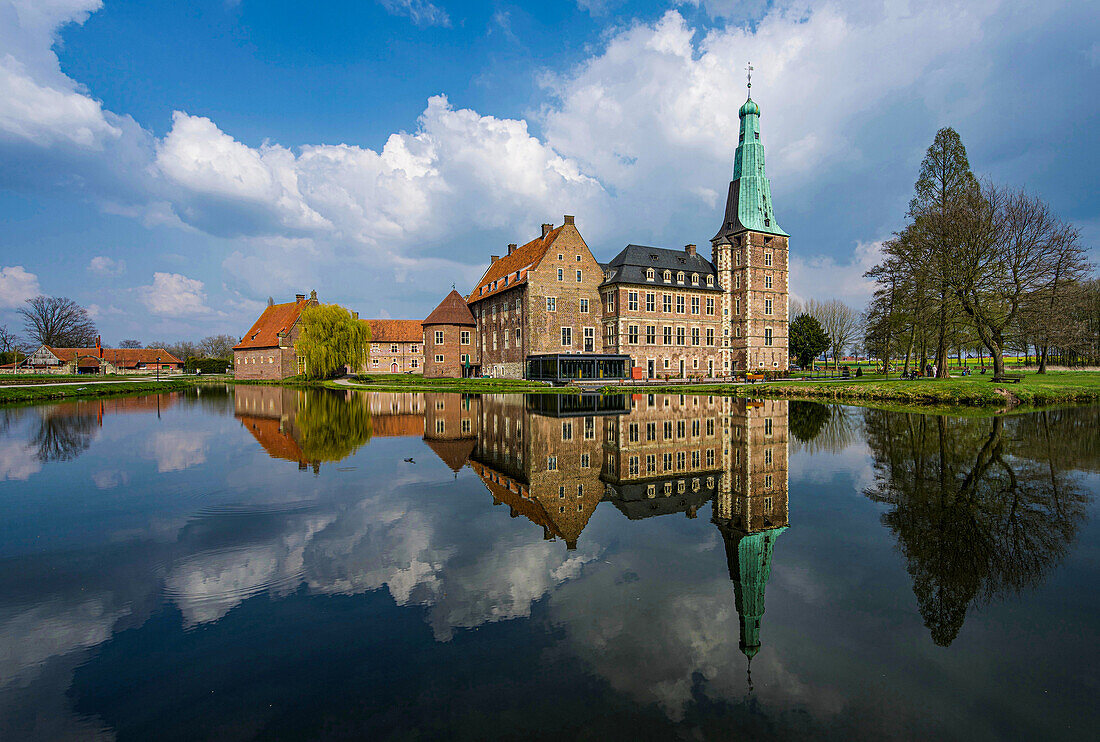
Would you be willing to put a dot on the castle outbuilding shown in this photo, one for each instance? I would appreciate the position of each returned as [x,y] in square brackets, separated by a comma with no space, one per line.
[449,349]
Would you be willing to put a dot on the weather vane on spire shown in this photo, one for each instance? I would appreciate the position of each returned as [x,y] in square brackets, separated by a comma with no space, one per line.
[749,68]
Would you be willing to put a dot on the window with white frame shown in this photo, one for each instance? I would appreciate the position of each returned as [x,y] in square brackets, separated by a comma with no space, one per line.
[439,337]
[767,257]
[464,337]
[650,274]
[551,303]
[439,359]
[650,302]
[632,301]
[584,306]
[567,336]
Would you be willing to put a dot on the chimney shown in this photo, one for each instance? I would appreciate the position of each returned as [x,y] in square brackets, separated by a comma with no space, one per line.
[313,295]
[299,297]
[690,250]
[568,218]
[511,247]
[493,259]
[546,229]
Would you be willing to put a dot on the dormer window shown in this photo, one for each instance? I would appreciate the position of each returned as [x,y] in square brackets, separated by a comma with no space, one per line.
[694,279]
[710,280]
[650,274]
[668,276]
[680,277]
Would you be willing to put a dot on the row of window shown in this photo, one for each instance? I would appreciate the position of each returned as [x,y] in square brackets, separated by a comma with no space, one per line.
[440,358]
[463,337]
[413,362]
[633,335]
[651,275]
[394,347]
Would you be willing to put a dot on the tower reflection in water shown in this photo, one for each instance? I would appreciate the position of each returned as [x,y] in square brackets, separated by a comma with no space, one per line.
[552,459]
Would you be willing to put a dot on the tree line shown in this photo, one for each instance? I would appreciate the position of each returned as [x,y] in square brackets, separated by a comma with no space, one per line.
[62,323]
[981,267]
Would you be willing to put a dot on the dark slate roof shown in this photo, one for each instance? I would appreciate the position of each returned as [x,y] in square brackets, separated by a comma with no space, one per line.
[630,265]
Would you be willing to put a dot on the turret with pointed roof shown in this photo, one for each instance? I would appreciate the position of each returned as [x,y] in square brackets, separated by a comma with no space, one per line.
[751,255]
[449,348]
[749,203]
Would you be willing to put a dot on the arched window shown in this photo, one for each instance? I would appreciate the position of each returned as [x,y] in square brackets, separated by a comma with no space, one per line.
[668,276]
[650,274]
[710,280]
[694,279]
[680,277]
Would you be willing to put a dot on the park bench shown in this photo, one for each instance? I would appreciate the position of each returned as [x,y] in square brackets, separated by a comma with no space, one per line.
[1009,378]
[753,378]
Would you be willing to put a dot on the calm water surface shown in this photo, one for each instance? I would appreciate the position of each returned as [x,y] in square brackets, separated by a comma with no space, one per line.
[262,563]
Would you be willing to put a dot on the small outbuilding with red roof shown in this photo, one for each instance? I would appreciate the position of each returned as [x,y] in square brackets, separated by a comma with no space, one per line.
[449,348]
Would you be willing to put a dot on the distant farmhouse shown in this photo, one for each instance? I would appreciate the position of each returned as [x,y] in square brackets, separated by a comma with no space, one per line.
[100,360]
[550,310]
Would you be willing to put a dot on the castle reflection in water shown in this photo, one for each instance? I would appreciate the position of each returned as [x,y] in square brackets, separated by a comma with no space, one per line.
[553,459]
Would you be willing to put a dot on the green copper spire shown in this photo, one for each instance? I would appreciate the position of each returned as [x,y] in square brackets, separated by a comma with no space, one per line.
[749,204]
[749,558]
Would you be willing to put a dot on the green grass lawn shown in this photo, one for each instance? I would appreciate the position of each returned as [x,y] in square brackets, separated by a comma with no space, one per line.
[19,379]
[1035,389]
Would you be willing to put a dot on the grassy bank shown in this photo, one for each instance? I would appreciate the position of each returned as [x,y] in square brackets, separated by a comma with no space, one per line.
[21,379]
[17,394]
[411,383]
[977,390]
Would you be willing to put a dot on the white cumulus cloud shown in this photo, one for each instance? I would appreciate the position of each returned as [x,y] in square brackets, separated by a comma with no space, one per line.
[101,265]
[176,295]
[16,286]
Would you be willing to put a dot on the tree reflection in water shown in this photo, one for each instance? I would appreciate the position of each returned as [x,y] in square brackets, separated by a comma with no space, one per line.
[981,507]
[64,433]
[332,425]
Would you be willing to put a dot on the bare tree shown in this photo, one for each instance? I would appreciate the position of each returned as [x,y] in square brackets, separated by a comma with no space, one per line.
[218,346]
[9,341]
[58,321]
[1007,247]
[839,321]
[130,344]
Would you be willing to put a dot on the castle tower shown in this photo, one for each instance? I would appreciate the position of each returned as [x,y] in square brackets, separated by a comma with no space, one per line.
[751,505]
[751,254]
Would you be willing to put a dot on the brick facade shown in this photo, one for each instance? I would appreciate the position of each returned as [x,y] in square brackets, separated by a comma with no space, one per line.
[266,352]
[396,347]
[540,298]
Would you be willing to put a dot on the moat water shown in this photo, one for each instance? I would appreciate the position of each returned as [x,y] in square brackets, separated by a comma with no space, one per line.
[264,563]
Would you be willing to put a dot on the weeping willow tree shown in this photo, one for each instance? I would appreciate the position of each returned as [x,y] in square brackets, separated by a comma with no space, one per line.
[330,340]
[331,426]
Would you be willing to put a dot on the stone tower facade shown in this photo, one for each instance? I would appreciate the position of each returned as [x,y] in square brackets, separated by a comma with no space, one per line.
[750,252]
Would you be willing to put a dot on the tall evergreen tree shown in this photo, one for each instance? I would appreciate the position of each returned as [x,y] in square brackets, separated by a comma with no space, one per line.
[945,177]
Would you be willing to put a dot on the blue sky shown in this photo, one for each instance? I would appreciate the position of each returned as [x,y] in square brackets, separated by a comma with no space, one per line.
[171,165]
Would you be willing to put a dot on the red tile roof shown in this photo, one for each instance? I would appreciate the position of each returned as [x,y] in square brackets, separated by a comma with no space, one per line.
[395,330]
[275,319]
[511,270]
[451,311]
[121,357]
